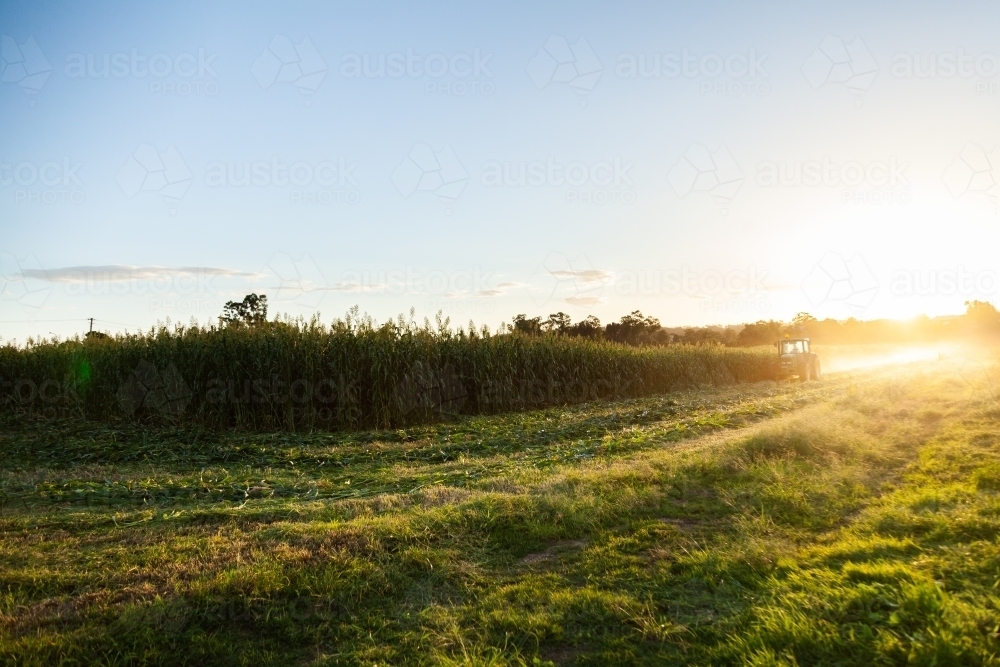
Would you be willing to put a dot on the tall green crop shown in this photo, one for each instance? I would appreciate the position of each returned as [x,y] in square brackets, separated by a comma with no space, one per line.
[293,375]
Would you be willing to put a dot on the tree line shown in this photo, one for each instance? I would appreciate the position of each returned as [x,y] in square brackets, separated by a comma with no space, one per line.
[981,319]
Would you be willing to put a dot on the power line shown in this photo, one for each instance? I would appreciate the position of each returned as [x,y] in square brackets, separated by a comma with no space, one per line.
[75,319]
[91,320]
[119,323]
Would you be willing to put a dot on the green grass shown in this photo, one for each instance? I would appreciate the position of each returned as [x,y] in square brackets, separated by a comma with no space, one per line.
[851,521]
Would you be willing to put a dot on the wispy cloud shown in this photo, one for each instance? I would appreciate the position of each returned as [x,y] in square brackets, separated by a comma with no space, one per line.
[121,272]
[586,276]
[354,287]
[501,288]
[584,300]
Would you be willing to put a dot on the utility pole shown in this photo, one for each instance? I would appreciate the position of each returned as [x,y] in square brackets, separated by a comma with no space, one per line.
[91,324]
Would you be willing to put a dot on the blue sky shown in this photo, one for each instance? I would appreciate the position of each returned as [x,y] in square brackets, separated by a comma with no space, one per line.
[705,163]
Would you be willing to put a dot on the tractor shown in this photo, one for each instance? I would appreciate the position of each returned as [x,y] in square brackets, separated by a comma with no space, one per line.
[794,358]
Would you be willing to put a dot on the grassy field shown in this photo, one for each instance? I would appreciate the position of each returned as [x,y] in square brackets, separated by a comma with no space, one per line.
[850,521]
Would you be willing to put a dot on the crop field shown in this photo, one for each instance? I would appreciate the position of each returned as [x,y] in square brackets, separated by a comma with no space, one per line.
[850,520]
[302,375]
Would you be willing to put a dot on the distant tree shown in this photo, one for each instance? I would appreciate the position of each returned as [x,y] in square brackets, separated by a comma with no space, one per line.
[252,311]
[633,329]
[96,335]
[981,311]
[729,335]
[529,326]
[557,323]
[804,325]
[702,336]
[589,327]
[982,317]
[759,333]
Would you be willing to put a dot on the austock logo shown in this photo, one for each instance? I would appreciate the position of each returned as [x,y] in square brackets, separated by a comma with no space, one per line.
[441,390]
[601,182]
[874,182]
[427,170]
[539,392]
[447,284]
[175,615]
[836,280]
[282,61]
[50,398]
[690,65]
[558,61]
[834,63]
[947,282]
[148,170]
[325,182]
[50,182]
[183,75]
[301,391]
[825,172]
[425,389]
[944,65]
[146,389]
[315,400]
[23,64]
[415,66]
[702,170]
[575,282]
[466,73]
[291,280]
[744,74]
[22,281]
[975,171]
[690,283]
[735,291]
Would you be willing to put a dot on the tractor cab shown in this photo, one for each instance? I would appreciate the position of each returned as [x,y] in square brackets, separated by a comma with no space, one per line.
[794,346]
[795,358]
